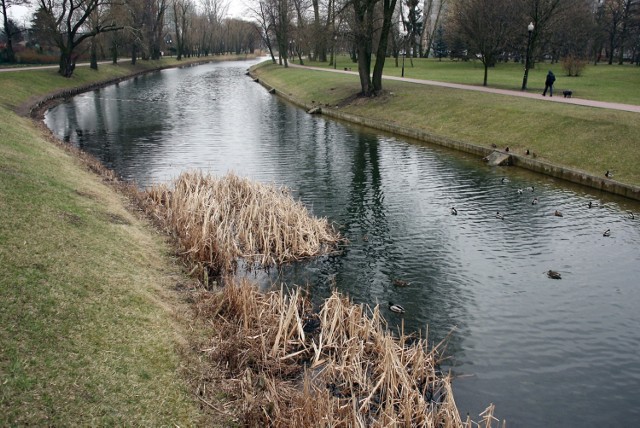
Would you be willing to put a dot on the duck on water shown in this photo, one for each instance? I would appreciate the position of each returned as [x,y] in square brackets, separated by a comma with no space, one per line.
[396,308]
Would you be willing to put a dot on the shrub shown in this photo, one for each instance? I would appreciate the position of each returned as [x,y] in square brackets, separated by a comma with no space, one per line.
[573,65]
[30,56]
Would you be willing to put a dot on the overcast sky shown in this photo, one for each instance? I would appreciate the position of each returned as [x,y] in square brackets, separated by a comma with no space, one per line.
[22,14]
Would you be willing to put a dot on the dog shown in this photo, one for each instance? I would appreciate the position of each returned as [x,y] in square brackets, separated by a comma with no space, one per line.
[567,93]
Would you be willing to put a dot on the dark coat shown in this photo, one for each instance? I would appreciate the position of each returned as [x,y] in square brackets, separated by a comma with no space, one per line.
[550,79]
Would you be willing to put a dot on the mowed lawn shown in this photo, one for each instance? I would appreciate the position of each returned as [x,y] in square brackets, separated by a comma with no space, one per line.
[602,82]
[584,138]
[94,331]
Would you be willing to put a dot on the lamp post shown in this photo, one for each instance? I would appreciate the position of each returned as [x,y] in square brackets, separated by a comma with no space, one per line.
[530,27]
[405,35]
[335,53]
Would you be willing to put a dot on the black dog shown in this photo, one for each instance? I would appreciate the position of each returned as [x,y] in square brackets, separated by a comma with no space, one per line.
[567,94]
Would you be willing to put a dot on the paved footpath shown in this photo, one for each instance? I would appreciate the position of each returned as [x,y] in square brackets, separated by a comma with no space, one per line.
[46,67]
[537,96]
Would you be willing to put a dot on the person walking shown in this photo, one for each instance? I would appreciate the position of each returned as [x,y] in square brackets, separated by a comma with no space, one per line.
[548,84]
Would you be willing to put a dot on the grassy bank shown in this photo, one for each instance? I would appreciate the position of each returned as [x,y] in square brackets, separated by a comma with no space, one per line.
[583,138]
[603,82]
[93,330]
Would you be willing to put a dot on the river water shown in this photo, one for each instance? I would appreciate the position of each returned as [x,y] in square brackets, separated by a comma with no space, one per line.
[545,352]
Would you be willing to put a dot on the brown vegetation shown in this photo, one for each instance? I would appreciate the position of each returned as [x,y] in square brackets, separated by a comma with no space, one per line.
[219,221]
[340,366]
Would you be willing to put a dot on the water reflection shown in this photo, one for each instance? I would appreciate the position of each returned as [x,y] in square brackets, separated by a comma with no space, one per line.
[543,351]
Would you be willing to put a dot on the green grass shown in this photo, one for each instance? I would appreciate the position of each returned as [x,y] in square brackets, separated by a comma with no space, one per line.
[18,87]
[603,82]
[93,332]
[588,139]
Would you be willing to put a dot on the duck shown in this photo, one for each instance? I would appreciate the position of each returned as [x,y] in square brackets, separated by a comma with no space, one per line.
[499,216]
[504,180]
[396,308]
[535,201]
[454,211]
[553,274]
[607,232]
[493,145]
[631,216]
[519,191]
[400,283]
[527,152]
[590,204]
[530,188]
[506,149]
[608,174]
[557,213]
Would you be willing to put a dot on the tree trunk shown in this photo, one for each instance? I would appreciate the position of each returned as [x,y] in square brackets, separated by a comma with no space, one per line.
[114,52]
[10,54]
[486,72]
[381,54]
[67,63]
[94,55]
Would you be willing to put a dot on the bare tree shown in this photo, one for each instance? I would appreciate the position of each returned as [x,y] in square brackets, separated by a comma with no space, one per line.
[69,29]
[10,31]
[260,12]
[433,11]
[181,21]
[484,24]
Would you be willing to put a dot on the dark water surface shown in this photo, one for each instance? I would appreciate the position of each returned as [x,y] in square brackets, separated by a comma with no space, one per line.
[545,352]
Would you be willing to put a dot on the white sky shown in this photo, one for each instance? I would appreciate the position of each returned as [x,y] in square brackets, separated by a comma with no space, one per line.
[22,13]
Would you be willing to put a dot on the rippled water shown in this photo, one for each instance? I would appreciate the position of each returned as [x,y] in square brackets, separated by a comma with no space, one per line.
[546,352]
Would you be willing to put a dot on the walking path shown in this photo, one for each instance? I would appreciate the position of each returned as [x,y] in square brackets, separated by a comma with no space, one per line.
[46,67]
[537,96]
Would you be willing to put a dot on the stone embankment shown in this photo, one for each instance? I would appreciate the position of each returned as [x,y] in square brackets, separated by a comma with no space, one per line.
[556,171]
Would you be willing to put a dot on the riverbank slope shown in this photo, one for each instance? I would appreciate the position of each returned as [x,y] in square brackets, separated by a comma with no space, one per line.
[95,330]
[571,142]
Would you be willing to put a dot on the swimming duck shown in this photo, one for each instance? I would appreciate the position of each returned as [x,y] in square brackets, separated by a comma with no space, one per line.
[607,232]
[500,216]
[504,180]
[590,204]
[454,211]
[631,215]
[396,308]
[535,201]
[400,283]
[530,188]
[519,191]
[557,213]
[554,275]
[608,174]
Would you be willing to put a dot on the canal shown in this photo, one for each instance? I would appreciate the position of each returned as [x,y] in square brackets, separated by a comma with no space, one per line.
[546,352]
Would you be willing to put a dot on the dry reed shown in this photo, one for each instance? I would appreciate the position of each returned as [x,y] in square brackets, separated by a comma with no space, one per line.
[221,221]
[336,367]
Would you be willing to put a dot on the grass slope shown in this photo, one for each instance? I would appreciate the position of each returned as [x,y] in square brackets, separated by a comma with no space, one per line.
[92,331]
[588,139]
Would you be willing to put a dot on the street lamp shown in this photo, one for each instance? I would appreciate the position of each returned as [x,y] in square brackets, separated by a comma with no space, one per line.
[335,54]
[405,35]
[530,28]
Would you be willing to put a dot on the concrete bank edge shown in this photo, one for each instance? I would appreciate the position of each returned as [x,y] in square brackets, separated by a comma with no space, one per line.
[556,171]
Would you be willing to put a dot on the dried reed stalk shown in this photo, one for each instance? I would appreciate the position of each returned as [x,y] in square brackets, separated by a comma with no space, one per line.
[220,220]
[337,367]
